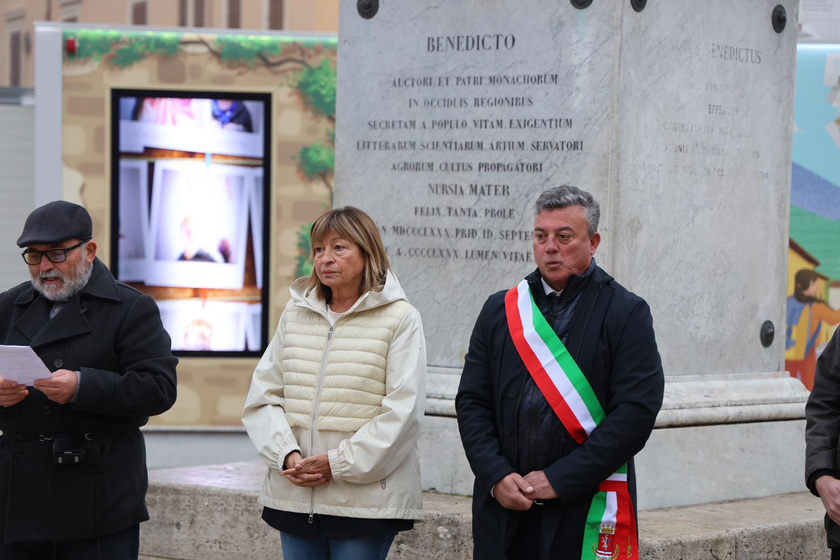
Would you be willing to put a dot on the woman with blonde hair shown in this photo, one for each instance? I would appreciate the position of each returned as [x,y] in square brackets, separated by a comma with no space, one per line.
[337,400]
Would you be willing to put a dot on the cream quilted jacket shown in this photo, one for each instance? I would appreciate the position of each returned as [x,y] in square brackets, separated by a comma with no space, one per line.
[356,392]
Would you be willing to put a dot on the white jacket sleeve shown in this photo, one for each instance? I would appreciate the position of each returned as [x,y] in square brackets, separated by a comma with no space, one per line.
[264,417]
[381,445]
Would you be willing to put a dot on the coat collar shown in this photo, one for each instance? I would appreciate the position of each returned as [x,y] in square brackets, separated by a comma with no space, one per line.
[390,292]
[574,285]
[595,290]
[71,321]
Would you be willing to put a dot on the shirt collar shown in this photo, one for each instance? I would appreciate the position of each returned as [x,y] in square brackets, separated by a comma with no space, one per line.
[548,289]
[573,284]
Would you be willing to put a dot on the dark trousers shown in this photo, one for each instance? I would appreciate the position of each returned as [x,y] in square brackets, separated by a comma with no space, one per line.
[835,554]
[527,535]
[124,545]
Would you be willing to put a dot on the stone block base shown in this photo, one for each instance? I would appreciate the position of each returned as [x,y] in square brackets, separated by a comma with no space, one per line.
[211,513]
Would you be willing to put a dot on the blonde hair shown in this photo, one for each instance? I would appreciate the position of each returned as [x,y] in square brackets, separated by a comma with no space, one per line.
[354,225]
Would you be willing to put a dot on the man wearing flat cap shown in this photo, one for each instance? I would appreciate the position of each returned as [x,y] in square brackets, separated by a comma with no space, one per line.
[72,459]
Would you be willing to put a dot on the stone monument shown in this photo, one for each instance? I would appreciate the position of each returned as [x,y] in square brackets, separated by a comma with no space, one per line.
[453,116]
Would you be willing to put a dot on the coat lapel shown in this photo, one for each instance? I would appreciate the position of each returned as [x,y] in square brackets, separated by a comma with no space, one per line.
[36,315]
[587,322]
[71,321]
[39,330]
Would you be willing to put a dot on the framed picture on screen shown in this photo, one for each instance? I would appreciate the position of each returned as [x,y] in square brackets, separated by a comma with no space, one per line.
[190,197]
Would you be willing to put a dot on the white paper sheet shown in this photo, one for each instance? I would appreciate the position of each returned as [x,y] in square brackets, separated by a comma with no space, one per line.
[21,364]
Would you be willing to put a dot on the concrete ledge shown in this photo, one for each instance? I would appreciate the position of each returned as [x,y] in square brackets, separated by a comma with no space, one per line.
[211,513]
[784,527]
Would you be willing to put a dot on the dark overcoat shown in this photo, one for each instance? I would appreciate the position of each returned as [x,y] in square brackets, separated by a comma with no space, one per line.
[612,340]
[113,335]
[822,427]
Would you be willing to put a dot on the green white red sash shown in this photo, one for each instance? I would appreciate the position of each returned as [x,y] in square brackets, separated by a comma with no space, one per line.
[610,531]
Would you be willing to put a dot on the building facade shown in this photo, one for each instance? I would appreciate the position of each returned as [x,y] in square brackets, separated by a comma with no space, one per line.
[17,18]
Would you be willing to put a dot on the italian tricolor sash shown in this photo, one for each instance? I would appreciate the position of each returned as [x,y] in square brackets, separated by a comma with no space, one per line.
[610,531]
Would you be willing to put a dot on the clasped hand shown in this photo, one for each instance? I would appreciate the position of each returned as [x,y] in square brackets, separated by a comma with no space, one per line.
[518,492]
[307,473]
[828,488]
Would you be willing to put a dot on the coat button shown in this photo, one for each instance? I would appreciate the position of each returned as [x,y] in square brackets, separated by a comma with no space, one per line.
[47,410]
[508,430]
[58,363]
[14,411]
[512,392]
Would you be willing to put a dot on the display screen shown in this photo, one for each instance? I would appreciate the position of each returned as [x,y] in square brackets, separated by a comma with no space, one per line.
[190,177]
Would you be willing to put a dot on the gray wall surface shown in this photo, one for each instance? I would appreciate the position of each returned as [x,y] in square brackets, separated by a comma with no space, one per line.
[17,184]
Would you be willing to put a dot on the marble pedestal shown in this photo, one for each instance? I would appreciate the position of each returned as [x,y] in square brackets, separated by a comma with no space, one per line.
[453,116]
[717,438]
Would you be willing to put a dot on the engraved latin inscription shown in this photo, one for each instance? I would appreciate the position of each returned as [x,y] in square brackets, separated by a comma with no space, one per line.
[463,146]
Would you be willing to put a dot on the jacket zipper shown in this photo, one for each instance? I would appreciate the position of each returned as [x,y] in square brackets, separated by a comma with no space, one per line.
[315,414]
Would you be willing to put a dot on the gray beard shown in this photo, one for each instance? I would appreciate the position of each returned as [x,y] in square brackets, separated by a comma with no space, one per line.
[72,283]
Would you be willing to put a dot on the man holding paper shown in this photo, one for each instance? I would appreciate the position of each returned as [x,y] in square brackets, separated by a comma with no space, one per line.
[72,459]
[560,389]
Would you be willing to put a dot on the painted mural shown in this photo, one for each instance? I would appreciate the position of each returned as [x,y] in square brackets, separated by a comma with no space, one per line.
[813,296]
[293,79]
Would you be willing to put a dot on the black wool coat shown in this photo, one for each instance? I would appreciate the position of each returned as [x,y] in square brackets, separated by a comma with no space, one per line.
[612,340]
[113,335]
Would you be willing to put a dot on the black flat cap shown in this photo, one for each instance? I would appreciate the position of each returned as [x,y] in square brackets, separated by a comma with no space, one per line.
[55,222]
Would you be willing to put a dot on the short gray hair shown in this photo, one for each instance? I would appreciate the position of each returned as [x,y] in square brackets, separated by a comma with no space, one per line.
[569,195]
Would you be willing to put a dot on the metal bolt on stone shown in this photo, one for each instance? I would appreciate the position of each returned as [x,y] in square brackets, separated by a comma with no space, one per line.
[768,333]
[367,8]
[779,18]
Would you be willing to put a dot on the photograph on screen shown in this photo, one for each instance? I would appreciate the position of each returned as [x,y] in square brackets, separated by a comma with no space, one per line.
[253,325]
[218,126]
[190,182]
[205,326]
[134,220]
[256,207]
[199,224]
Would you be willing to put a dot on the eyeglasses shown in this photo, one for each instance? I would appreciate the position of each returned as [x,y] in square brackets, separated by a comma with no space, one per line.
[32,257]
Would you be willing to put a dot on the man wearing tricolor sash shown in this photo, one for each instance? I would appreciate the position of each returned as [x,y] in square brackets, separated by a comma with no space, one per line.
[560,389]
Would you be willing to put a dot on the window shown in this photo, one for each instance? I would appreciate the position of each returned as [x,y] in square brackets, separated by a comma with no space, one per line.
[139,13]
[71,11]
[15,56]
[193,13]
[275,14]
[198,13]
[14,42]
[233,14]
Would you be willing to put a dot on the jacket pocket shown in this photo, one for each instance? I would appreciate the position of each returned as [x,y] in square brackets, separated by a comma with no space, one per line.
[66,492]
